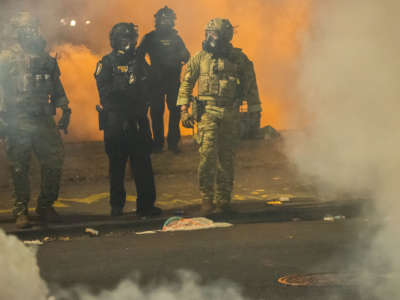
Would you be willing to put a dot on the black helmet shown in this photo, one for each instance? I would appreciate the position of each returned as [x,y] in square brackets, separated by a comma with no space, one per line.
[165,17]
[123,36]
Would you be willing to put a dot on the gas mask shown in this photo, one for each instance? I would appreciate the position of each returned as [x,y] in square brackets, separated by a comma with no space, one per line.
[212,39]
[214,43]
[125,44]
[164,23]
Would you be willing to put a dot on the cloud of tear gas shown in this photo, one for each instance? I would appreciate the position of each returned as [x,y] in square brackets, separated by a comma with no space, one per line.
[19,275]
[20,278]
[81,89]
[267,31]
[348,82]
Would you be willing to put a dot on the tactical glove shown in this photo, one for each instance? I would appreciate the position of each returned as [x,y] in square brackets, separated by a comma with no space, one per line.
[187,119]
[63,123]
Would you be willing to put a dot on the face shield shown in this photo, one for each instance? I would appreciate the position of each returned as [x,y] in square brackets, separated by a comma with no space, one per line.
[165,23]
[126,43]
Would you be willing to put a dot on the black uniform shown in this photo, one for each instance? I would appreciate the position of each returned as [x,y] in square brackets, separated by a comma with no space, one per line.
[121,81]
[167,54]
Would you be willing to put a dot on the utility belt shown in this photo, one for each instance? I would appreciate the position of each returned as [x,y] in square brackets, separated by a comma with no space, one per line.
[35,109]
[219,102]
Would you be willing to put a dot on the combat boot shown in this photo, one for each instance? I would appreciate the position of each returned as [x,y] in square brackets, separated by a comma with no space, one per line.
[225,208]
[22,221]
[207,207]
[48,214]
[150,212]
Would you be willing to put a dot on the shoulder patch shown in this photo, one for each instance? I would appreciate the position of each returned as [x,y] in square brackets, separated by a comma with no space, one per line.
[99,68]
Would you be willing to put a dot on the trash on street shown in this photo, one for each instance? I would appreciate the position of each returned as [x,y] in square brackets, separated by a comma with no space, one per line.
[92,232]
[186,224]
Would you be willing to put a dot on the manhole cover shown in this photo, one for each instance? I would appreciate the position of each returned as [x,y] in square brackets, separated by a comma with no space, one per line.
[321,279]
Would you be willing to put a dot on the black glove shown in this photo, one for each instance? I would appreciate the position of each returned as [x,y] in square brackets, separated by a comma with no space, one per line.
[187,119]
[65,119]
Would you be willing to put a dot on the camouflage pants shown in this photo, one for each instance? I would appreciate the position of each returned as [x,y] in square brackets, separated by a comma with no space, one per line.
[43,139]
[218,137]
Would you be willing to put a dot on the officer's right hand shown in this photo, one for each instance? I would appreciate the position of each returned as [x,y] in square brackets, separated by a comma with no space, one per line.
[187,119]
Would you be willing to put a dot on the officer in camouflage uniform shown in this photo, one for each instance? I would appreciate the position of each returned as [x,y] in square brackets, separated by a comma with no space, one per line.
[167,54]
[30,91]
[122,81]
[226,77]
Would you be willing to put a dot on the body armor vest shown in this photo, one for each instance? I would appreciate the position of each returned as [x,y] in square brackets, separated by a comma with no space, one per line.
[124,76]
[30,82]
[218,78]
[33,77]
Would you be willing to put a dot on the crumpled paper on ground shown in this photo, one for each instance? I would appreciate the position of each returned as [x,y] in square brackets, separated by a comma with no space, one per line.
[186,224]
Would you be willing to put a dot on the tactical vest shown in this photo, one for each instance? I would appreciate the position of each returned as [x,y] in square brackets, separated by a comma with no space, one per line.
[31,77]
[218,79]
[164,50]
[124,75]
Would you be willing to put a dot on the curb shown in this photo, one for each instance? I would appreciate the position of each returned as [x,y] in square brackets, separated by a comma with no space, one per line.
[349,209]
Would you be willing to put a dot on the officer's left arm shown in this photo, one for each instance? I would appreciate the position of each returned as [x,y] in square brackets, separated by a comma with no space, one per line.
[248,84]
[59,100]
[144,74]
[184,53]
[58,97]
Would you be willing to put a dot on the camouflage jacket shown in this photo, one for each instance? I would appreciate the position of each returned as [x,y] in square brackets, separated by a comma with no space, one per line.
[230,78]
[29,83]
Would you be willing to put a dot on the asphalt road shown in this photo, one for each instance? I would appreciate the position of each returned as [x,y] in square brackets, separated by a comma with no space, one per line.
[251,256]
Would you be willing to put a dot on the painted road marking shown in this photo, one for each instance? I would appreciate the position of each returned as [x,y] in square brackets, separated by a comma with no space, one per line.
[165,199]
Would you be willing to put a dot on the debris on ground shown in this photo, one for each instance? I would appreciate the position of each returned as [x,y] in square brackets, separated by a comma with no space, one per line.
[64,238]
[269,133]
[186,224]
[92,232]
[330,218]
[34,242]
[146,232]
[48,239]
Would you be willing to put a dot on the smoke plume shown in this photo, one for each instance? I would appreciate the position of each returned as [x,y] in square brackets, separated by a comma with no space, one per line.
[348,83]
[20,278]
[19,275]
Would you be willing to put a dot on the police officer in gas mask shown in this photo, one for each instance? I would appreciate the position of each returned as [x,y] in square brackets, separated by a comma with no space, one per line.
[30,92]
[225,78]
[167,53]
[122,81]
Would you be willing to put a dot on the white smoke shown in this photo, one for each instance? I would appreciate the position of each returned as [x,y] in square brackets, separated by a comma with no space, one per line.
[349,84]
[20,280]
[188,286]
[19,273]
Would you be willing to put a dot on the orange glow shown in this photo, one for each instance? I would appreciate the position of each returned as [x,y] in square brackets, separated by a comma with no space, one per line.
[269,32]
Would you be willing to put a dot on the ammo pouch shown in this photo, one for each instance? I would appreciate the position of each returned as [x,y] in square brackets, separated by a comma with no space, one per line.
[218,78]
[36,79]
